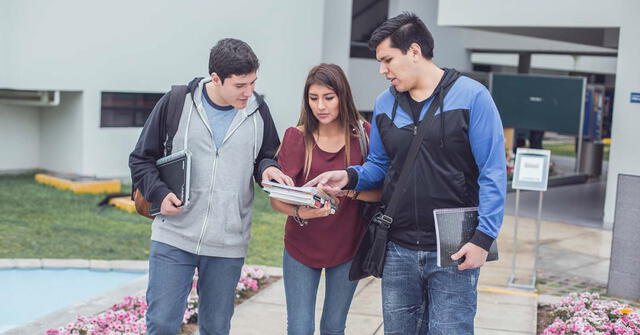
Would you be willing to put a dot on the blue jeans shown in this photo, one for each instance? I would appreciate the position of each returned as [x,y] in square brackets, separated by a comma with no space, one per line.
[301,289]
[170,278]
[418,297]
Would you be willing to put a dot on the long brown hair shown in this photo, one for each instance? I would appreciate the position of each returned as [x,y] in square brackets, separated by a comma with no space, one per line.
[332,76]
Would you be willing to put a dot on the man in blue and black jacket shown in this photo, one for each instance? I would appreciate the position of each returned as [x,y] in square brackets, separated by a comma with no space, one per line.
[461,163]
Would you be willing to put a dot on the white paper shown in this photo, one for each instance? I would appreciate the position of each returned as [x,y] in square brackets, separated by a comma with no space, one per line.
[531,169]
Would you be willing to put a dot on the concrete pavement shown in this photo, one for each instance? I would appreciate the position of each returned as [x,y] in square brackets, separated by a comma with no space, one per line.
[565,250]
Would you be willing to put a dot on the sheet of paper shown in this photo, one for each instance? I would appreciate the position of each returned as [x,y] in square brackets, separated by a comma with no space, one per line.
[531,169]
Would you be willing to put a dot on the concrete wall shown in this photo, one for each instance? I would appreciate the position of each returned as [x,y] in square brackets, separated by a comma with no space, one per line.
[489,40]
[366,82]
[626,115]
[540,13]
[4,41]
[336,35]
[61,135]
[566,63]
[145,46]
[449,51]
[19,135]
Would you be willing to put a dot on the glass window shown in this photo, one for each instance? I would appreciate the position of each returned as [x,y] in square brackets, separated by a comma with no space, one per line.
[366,16]
[126,109]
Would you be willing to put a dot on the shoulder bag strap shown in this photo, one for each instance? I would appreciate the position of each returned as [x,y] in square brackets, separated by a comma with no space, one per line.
[387,217]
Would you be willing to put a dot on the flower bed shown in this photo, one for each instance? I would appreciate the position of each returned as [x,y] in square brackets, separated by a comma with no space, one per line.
[128,317]
[587,313]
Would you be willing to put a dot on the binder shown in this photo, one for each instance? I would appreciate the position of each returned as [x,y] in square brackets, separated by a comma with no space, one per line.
[175,171]
[454,228]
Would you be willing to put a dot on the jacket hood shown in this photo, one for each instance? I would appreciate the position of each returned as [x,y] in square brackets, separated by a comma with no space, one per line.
[447,80]
[253,104]
[449,77]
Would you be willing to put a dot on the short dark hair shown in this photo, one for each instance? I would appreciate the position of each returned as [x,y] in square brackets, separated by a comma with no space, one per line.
[404,29]
[230,56]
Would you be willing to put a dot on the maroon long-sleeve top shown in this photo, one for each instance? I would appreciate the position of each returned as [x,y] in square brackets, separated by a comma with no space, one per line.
[326,241]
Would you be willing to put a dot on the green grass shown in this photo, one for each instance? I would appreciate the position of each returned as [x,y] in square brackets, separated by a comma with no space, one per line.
[568,150]
[38,221]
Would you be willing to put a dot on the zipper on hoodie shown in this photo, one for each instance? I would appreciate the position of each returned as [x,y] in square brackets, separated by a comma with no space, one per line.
[206,217]
[213,181]
[245,117]
[415,209]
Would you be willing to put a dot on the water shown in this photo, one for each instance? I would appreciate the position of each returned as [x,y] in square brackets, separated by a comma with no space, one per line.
[28,294]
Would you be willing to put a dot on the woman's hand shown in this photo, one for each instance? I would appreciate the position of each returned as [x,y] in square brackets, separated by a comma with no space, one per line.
[307,213]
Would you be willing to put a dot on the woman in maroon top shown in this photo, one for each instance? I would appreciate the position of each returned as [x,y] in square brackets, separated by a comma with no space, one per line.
[327,138]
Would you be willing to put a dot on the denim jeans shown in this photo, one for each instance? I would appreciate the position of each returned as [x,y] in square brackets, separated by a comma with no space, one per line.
[301,289]
[170,278]
[418,297]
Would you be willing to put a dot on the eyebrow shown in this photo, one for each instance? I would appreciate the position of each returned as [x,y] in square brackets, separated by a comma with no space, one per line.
[315,94]
[242,84]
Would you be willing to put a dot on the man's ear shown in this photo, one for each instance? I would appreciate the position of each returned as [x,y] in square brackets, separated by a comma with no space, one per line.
[415,51]
[215,79]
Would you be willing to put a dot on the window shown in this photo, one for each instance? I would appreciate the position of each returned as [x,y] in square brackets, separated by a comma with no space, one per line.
[126,109]
[366,16]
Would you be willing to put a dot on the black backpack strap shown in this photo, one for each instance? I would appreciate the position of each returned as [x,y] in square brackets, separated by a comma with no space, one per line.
[177,96]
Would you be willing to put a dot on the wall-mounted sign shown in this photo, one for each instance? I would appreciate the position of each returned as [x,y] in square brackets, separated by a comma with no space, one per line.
[635,97]
[531,170]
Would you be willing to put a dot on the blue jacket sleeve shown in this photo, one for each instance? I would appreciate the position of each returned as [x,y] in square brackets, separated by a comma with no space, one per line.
[371,174]
[486,137]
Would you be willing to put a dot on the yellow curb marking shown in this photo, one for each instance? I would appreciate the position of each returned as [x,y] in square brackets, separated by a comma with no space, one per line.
[99,186]
[123,203]
[502,291]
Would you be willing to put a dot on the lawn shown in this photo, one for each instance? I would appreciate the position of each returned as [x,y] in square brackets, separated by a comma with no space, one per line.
[569,150]
[38,221]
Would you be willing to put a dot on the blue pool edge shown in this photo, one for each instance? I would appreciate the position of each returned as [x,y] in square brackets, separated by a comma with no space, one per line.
[90,306]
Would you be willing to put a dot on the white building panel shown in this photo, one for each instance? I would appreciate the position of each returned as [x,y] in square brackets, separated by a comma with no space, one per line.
[19,135]
[526,13]
[61,129]
[624,157]
[146,46]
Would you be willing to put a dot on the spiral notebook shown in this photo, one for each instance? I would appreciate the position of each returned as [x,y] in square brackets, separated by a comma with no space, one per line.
[454,228]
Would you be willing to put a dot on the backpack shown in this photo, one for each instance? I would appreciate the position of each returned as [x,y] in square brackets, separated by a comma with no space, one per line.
[169,121]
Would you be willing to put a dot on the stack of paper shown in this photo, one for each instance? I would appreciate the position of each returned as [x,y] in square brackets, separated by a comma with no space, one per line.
[301,196]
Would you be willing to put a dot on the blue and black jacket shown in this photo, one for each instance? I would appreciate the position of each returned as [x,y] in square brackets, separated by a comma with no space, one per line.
[461,162]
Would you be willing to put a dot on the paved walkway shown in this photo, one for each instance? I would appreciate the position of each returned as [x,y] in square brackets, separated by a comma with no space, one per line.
[566,251]
[501,309]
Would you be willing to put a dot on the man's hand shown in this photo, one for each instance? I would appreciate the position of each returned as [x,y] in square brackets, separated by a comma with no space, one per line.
[170,205]
[273,173]
[330,182]
[474,256]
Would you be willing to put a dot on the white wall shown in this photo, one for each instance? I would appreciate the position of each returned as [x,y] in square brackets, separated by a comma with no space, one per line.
[19,135]
[489,40]
[366,82]
[336,35]
[449,49]
[145,46]
[61,132]
[567,63]
[539,13]
[4,41]
[624,157]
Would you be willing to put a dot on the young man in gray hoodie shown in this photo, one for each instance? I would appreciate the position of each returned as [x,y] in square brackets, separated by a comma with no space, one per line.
[231,136]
